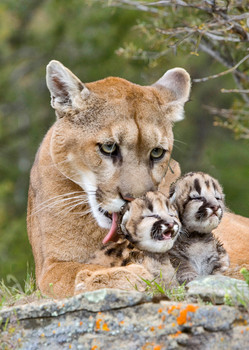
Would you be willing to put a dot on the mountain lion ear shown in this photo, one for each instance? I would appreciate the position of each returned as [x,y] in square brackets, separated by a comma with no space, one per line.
[66,90]
[176,84]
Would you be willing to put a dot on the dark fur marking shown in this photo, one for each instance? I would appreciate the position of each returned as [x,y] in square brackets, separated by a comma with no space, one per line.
[125,262]
[110,251]
[119,253]
[197,186]
[214,186]
[207,183]
[130,246]
[148,204]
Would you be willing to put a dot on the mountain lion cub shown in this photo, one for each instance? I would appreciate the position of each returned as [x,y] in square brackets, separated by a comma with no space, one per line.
[148,228]
[200,203]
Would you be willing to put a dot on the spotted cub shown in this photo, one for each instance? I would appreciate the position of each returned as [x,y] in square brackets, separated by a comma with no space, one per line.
[147,230]
[199,200]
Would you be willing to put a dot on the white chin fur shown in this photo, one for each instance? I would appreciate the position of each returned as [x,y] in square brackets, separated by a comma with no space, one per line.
[88,183]
[205,226]
[156,246]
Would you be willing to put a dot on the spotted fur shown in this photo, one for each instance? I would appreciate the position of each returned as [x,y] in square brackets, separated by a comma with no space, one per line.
[199,200]
[148,228]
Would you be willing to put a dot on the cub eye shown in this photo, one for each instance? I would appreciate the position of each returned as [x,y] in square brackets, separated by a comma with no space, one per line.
[196,198]
[108,149]
[157,153]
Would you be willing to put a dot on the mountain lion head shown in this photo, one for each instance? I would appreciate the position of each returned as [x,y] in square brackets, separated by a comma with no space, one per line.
[112,137]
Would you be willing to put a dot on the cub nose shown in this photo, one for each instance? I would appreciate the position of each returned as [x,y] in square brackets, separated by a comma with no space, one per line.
[214,208]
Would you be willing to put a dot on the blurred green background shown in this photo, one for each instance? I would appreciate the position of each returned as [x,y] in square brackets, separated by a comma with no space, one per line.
[86,39]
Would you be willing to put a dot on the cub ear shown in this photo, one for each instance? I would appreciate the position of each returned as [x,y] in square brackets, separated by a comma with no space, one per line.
[66,90]
[172,193]
[175,86]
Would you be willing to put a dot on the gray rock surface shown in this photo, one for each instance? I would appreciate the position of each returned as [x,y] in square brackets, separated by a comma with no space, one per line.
[115,319]
[216,288]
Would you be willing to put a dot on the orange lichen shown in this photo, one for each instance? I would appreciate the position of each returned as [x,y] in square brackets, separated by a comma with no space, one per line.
[94,347]
[148,346]
[242,331]
[247,328]
[160,310]
[157,347]
[175,334]
[53,332]
[173,324]
[163,317]
[97,325]
[121,322]
[174,307]
[161,326]
[81,323]
[59,324]
[182,318]
[152,329]
[221,339]
[105,327]
[42,335]
[70,346]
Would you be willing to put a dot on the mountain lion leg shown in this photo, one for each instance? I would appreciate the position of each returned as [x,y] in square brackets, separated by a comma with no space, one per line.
[64,279]
[58,278]
[127,278]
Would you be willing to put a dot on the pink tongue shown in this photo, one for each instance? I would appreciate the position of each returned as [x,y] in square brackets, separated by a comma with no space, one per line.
[111,234]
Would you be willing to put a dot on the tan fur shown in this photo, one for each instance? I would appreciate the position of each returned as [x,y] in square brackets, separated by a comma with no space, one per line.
[71,173]
[233,232]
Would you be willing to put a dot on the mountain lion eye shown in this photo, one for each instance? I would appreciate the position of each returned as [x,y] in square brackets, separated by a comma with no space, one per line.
[157,153]
[108,149]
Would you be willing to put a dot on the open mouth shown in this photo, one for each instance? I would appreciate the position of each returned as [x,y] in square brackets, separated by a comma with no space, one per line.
[106,213]
[162,231]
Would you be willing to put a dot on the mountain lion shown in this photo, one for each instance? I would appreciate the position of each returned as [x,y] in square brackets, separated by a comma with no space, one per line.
[111,142]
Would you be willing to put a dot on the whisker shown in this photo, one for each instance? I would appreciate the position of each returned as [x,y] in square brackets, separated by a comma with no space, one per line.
[184,143]
[62,195]
[64,201]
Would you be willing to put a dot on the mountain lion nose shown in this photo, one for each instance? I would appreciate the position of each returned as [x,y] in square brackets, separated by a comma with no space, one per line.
[127,197]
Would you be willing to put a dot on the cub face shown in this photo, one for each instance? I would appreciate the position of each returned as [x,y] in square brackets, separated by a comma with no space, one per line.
[200,201]
[151,223]
[114,138]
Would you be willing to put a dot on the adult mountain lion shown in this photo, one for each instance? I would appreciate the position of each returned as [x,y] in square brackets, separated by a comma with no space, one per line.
[111,142]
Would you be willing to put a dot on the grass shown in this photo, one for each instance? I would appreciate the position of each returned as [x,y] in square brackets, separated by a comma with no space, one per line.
[11,291]
[157,287]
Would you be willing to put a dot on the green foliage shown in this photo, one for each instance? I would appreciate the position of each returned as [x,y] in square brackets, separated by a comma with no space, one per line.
[11,290]
[245,274]
[158,287]
[220,29]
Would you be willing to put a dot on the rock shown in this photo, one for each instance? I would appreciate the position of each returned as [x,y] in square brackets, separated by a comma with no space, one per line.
[115,319]
[216,288]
